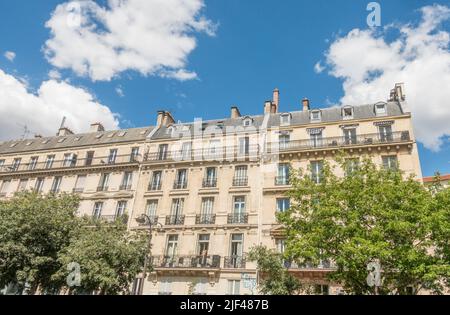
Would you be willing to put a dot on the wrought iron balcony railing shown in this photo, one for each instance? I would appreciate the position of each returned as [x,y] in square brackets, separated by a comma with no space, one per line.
[187,262]
[154,186]
[210,183]
[237,218]
[234,262]
[175,220]
[205,219]
[73,163]
[125,187]
[325,264]
[102,188]
[336,142]
[180,185]
[111,218]
[240,181]
[281,180]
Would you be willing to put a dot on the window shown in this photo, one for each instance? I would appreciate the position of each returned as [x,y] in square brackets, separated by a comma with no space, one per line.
[165,287]
[214,148]
[239,205]
[247,122]
[39,184]
[121,208]
[281,245]
[316,115]
[134,154]
[316,138]
[4,187]
[285,119]
[70,160]
[162,152]
[316,171]
[385,133]
[351,166]
[390,162]
[61,140]
[200,287]
[181,179]
[234,287]
[152,207]
[79,185]
[16,164]
[103,185]
[97,211]
[89,158]
[347,112]
[207,206]
[240,176]
[2,163]
[350,136]
[283,204]
[172,246]
[33,163]
[211,177]
[177,207]
[23,185]
[236,249]
[283,174]
[321,289]
[380,109]
[56,184]
[186,150]
[155,183]
[127,181]
[244,146]
[112,156]
[203,244]
[49,161]
[284,141]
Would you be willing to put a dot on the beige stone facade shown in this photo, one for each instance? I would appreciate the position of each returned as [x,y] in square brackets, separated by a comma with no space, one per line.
[213,187]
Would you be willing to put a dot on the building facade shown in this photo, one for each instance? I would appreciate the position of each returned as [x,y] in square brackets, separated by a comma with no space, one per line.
[211,188]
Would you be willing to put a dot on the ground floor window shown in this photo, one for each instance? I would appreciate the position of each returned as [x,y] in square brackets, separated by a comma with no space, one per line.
[234,287]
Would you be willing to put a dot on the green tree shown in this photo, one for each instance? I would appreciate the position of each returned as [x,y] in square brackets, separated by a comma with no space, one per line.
[369,215]
[108,255]
[33,230]
[274,277]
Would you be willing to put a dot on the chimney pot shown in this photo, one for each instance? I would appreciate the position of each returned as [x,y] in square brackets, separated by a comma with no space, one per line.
[97,127]
[276,100]
[235,113]
[64,132]
[306,104]
[267,107]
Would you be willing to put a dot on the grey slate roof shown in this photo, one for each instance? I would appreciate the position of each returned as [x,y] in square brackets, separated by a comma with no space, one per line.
[76,140]
[333,114]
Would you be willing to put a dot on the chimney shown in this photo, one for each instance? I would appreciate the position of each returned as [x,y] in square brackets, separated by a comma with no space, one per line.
[37,136]
[267,107]
[306,104]
[168,119]
[62,132]
[97,127]
[400,92]
[276,100]
[160,118]
[235,113]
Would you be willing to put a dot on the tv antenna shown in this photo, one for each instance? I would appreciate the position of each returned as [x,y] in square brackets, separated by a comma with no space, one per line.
[63,122]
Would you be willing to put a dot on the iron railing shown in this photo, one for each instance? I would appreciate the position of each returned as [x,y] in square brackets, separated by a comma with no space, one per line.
[180,185]
[196,261]
[237,218]
[175,220]
[210,183]
[125,187]
[234,262]
[154,186]
[205,219]
[240,181]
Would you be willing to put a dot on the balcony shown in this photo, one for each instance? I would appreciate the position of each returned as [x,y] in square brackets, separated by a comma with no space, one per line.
[73,164]
[125,187]
[231,153]
[180,185]
[210,183]
[234,262]
[238,218]
[153,220]
[340,142]
[325,264]
[78,190]
[189,262]
[102,188]
[154,186]
[281,181]
[175,220]
[240,181]
[111,218]
[205,219]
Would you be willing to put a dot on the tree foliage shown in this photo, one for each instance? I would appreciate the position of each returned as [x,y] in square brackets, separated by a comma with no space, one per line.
[369,215]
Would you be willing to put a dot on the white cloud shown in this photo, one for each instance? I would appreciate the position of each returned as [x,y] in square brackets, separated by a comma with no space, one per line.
[54,74]
[10,55]
[318,68]
[119,91]
[43,111]
[152,37]
[420,57]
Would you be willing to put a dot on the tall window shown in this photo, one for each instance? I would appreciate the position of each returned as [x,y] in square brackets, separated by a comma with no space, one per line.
[39,184]
[97,211]
[200,287]
[22,185]
[152,207]
[234,287]
[89,158]
[284,141]
[155,184]
[104,180]
[385,133]
[211,177]
[56,184]
[316,171]
[2,163]
[283,174]
[112,156]
[165,287]
[79,186]
[4,187]
[207,206]
[186,150]
[33,163]
[177,207]
[162,151]
[281,245]
[316,139]
[16,164]
[240,176]
[127,181]
[239,205]
[121,208]
[350,136]
[172,245]
[351,166]
[283,204]
[181,179]
[214,148]
[244,146]
[134,154]
[49,161]
[390,162]
[203,244]
[70,160]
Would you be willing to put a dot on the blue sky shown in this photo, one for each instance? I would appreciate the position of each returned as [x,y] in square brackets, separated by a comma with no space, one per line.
[257,46]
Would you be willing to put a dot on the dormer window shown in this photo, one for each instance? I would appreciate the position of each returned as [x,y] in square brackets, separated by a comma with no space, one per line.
[380,109]
[316,115]
[248,122]
[347,112]
[285,119]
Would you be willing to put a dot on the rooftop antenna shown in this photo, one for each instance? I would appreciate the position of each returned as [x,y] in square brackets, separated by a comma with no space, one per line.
[26,131]
[63,122]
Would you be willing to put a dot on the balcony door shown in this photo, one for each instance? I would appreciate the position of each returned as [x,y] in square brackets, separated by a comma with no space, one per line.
[112,156]
[239,205]
[181,179]
[97,212]
[236,248]
[385,133]
[207,206]
[203,244]
[316,139]
[177,207]
[172,246]
[211,175]
[244,146]
[186,150]
[350,136]
[162,151]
